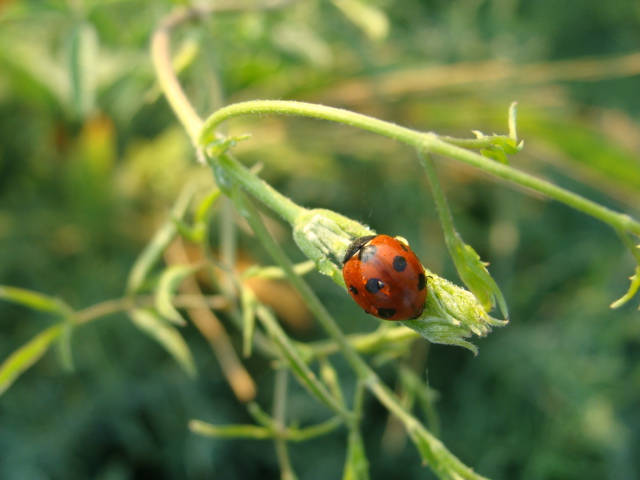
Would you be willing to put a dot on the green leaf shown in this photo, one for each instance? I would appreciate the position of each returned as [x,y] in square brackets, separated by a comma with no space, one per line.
[451,314]
[203,210]
[248,302]
[633,289]
[371,20]
[471,269]
[169,282]
[219,146]
[495,154]
[167,336]
[160,241]
[230,431]
[30,299]
[356,465]
[330,378]
[475,276]
[191,232]
[23,358]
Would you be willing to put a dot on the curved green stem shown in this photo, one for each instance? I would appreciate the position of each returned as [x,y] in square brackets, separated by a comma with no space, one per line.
[160,53]
[302,109]
[428,142]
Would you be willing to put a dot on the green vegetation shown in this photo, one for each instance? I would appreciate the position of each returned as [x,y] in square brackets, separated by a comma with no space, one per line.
[163,221]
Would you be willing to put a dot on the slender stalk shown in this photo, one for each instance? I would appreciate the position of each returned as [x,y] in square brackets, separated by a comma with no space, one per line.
[279,425]
[260,189]
[428,142]
[117,305]
[618,221]
[446,219]
[367,342]
[302,109]
[297,365]
[443,462]
[160,53]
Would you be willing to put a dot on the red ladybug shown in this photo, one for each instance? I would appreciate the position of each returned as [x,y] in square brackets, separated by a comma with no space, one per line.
[385,277]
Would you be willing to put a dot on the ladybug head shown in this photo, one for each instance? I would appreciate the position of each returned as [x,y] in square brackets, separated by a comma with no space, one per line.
[356,245]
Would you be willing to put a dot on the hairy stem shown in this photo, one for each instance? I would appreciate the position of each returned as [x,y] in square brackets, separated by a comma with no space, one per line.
[427,142]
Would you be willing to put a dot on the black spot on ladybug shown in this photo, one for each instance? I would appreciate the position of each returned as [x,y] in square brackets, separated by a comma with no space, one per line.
[367,253]
[399,263]
[386,312]
[422,281]
[353,290]
[373,285]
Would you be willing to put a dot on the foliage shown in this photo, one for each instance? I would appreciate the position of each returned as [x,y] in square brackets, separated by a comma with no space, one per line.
[101,194]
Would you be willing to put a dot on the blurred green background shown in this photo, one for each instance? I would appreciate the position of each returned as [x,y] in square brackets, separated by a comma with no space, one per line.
[91,159]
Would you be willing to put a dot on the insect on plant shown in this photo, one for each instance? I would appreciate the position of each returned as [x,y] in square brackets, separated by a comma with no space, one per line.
[381,273]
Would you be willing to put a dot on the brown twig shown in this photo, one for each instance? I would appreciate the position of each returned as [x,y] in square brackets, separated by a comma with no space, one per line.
[212,330]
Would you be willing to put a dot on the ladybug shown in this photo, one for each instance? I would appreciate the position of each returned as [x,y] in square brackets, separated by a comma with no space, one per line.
[385,277]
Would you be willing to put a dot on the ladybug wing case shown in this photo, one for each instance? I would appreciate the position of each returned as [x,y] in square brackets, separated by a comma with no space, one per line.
[385,278]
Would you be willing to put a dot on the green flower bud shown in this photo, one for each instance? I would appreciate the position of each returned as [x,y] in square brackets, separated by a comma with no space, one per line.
[452,314]
[324,235]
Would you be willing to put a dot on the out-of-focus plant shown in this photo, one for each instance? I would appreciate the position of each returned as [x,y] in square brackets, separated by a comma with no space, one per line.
[154,296]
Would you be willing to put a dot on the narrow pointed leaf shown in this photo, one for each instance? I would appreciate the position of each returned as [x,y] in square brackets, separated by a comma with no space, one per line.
[170,280]
[23,358]
[203,209]
[357,464]
[167,336]
[633,289]
[160,241]
[30,299]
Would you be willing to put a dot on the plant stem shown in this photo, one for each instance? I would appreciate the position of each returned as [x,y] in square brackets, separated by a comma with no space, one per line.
[440,200]
[425,142]
[618,221]
[260,189]
[117,305]
[367,342]
[160,53]
[279,425]
[312,301]
[443,462]
[161,56]
[297,365]
[302,109]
